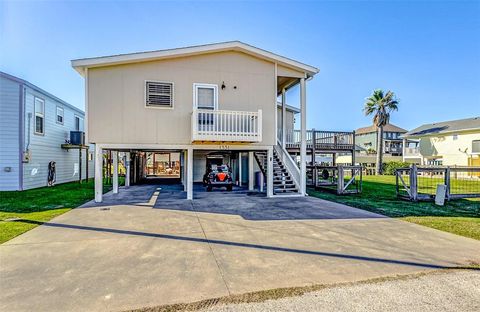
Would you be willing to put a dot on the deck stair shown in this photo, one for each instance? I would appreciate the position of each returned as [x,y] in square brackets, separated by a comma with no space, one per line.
[283,183]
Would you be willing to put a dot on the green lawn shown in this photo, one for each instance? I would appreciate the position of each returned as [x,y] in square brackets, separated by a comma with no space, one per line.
[22,211]
[461,216]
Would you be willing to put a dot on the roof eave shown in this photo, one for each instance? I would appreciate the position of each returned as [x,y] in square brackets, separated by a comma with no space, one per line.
[80,64]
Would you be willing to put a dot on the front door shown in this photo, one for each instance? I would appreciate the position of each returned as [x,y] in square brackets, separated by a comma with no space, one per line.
[205,99]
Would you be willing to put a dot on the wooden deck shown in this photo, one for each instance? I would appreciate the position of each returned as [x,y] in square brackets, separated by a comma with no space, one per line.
[322,141]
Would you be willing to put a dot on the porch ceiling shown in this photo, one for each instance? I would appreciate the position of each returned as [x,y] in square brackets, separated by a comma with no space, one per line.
[286,82]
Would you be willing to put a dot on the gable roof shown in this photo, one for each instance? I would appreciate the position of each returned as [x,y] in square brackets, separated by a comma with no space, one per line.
[445,127]
[387,128]
[81,64]
[40,90]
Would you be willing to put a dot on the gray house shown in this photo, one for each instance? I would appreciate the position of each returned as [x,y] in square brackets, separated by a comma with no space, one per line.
[33,126]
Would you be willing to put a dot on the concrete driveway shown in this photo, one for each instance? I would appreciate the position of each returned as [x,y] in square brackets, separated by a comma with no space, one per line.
[147,247]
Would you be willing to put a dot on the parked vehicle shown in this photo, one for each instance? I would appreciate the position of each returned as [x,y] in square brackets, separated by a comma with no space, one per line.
[218,176]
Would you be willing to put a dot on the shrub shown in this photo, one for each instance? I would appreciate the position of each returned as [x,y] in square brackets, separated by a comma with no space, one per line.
[390,167]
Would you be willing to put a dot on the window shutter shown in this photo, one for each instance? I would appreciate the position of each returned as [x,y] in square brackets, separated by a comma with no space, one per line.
[159,94]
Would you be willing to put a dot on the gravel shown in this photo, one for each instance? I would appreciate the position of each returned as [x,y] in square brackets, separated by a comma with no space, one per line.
[451,291]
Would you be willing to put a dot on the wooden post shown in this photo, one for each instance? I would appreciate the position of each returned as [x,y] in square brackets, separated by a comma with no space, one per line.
[80,164]
[447,183]
[190,173]
[98,174]
[250,172]
[314,154]
[240,169]
[115,172]
[87,159]
[340,181]
[354,148]
[127,169]
[413,183]
[270,172]
[303,136]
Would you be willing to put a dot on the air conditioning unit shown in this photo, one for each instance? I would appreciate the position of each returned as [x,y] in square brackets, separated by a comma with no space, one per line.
[77,137]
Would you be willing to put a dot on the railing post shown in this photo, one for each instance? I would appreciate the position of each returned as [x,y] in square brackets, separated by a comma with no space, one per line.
[354,148]
[340,181]
[414,183]
[447,183]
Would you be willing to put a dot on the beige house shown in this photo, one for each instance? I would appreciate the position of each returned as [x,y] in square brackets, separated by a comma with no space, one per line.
[448,143]
[193,102]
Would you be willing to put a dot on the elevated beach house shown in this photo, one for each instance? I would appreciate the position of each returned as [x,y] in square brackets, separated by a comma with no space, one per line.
[446,143]
[188,104]
[34,129]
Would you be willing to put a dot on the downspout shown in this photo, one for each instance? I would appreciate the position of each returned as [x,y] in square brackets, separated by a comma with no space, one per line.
[21,134]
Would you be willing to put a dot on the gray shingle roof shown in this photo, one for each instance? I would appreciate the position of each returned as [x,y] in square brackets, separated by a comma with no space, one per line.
[445,127]
[387,128]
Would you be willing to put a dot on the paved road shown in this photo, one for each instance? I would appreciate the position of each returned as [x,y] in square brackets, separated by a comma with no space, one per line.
[149,247]
[453,291]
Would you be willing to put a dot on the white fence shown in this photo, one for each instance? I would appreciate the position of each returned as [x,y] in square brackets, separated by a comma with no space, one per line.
[229,126]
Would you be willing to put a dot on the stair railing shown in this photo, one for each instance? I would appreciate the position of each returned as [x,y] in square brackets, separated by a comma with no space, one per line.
[289,164]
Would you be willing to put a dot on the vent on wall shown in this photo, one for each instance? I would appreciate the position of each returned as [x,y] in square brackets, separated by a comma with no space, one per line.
[159,94]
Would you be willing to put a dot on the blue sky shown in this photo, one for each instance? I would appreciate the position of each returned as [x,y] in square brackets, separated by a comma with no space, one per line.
[428,53]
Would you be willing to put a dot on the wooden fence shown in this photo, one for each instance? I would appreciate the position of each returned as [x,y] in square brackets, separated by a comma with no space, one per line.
[339,179]
[420,183]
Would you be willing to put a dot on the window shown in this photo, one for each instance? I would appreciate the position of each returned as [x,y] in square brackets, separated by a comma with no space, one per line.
[60,115]
[159,94]
[78,123]
[39,116]
[455,137]
[476,146]
[205,96]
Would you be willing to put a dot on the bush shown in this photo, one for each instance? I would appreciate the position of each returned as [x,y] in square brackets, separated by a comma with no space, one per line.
[390,167]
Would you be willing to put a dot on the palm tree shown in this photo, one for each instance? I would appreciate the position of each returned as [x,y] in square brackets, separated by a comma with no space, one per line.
[380,105]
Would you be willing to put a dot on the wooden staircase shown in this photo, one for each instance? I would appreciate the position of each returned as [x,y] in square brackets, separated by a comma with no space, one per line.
[283,183]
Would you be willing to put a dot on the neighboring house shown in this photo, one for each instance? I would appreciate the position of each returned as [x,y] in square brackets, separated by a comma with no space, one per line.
[366,141]
[33,126]
[198,102]
[448,143]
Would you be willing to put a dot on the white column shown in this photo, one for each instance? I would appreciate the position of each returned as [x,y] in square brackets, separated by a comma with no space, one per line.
[303,137]
[127,169]
[284,119]
[251,181]
[115,171]
[184,173]
[190,173]
[270,172]
[98,174]
[240,169]
[404,148]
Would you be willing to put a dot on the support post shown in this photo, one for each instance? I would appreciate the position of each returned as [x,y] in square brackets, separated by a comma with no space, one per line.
[270,172]
[185,164]
[87,156]
[354,148]
[98,174]
[115,172]
[250,171]
[447,183]
[240,169]
[314,154]
[127,169]
[303,136]
[404,148]
[340,180]
[413,183]
[190,173]
[284,118]
[80,165]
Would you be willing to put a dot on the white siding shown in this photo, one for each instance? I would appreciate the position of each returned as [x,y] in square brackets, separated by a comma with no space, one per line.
[47,147]
[9,134]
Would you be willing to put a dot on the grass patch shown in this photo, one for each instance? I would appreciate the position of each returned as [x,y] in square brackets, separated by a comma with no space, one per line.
[379,196]
[22,211]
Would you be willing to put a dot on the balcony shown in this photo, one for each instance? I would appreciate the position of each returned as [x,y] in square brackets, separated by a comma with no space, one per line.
[412,152]
[321,140]
[226,126]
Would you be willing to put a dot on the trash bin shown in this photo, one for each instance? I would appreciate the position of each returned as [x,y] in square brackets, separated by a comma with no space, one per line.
[257,178]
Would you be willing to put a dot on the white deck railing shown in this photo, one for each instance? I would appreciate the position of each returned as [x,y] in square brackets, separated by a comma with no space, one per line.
[228,126]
